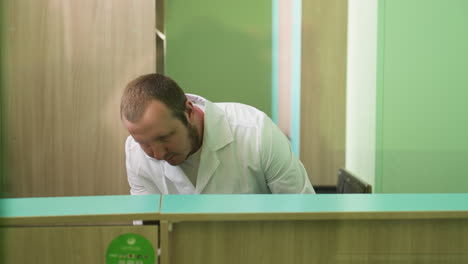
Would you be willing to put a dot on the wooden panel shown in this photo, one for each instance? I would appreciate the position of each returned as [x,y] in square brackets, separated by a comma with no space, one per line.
[329,228]
[50,245]
[363,241]
[323,89]
[161,37]
[66,64]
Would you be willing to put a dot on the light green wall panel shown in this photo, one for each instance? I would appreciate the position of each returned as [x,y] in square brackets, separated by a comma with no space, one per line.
[422,116]
[221,49]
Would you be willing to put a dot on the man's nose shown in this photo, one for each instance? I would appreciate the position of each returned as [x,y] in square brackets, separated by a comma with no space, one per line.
[158,151]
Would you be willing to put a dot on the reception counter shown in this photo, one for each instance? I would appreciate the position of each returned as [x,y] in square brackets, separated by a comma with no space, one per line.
[329,228]
[342,228]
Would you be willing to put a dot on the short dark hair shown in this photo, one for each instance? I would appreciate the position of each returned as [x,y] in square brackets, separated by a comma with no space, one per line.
[142,90]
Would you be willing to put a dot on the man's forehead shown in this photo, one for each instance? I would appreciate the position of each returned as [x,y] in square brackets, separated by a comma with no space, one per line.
[157,118]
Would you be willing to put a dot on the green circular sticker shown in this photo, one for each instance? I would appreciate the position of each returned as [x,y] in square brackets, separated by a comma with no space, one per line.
[130,249]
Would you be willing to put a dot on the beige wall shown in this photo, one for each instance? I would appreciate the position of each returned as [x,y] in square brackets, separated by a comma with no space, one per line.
[323,88]
[65,65]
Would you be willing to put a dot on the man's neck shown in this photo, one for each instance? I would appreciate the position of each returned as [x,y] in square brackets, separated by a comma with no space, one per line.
[199,124]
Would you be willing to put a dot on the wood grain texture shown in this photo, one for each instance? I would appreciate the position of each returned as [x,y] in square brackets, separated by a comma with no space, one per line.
[166,227]
[66,65]
[365,241]
[323,89]
[74,245]
[160,40]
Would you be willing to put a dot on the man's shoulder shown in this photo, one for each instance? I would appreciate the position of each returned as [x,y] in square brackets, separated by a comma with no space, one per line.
[242,114]
[133,151]
[130,143]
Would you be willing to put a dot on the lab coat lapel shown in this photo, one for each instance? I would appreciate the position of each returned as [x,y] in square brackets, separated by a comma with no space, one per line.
[217,134]
[209,162]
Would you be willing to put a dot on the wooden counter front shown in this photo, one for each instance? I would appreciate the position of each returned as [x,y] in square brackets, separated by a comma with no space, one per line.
[344,228]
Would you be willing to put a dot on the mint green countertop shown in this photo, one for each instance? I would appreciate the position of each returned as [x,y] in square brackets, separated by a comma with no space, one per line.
[231,207]
[328,205]
[82,206]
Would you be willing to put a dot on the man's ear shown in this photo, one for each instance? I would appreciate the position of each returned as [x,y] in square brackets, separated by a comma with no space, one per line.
[189,109]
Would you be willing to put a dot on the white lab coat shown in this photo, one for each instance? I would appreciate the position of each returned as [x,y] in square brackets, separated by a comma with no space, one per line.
[243,152]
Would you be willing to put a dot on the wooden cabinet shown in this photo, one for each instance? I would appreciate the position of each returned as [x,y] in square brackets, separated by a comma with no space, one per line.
[64,67]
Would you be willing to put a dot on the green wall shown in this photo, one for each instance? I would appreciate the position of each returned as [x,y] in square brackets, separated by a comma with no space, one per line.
[221,49]
[422,92]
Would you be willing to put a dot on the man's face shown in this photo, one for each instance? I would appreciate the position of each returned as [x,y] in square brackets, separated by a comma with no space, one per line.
[162,136]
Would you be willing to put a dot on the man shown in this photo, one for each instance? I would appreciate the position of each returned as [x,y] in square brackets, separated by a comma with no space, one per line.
[184,144]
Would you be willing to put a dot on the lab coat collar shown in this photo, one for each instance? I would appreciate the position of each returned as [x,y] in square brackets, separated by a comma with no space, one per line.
[217,134]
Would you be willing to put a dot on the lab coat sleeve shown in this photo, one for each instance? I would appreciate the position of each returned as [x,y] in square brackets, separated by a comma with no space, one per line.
[284,172]
[139,183]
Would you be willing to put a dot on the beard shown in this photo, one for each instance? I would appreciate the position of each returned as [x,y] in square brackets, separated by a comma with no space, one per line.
[195,139]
